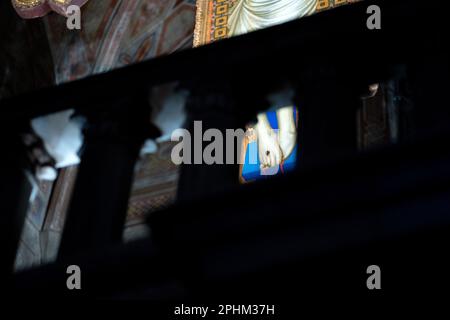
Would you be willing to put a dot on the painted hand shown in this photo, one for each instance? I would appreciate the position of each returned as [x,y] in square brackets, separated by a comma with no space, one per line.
[269,151]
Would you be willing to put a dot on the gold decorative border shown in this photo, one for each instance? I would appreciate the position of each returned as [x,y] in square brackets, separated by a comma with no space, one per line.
[200,22]
[211,22]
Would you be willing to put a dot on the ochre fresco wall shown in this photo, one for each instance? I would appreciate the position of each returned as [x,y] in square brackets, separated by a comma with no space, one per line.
[115,33]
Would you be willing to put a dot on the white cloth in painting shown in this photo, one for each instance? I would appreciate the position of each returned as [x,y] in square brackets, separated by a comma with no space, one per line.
[250,15]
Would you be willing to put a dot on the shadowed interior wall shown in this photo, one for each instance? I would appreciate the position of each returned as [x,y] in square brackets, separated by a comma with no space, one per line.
[114,33]
[24,70]
[117,33]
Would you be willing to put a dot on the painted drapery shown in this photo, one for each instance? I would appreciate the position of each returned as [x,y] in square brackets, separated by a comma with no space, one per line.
[219,19]
[250,15]
[30,9]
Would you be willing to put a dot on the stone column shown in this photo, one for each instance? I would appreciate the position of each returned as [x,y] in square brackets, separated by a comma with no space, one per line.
[113,139]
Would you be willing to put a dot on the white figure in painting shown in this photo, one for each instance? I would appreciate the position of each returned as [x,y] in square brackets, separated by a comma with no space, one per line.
[251,15]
